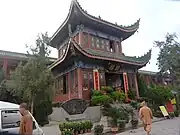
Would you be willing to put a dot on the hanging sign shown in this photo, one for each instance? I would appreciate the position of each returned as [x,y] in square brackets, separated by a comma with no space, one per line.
[164,111]
[96,79]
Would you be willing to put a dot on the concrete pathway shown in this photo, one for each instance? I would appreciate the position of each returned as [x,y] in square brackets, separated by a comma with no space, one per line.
[165,127]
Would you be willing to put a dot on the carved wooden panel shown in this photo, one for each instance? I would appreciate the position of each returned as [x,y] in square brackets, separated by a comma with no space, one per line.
[74,106]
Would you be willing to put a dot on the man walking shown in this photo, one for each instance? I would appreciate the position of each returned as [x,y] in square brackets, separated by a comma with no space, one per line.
[26,124]
[146,116]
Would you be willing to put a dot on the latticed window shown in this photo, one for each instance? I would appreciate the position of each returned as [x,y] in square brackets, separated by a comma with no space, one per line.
[85,79]
[107,45]
[102,79]
[97,43]
[85,39]
[91,84]
[59,85]
[72,80]
[92,41]
[102,43]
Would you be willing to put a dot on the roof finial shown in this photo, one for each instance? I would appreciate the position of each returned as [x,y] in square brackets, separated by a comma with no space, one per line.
[99,17]
[74,1]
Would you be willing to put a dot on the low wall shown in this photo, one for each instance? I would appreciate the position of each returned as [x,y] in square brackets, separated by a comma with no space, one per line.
[91,113]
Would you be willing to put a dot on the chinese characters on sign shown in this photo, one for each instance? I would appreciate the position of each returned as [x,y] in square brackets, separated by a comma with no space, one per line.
[96,79]
[126,87]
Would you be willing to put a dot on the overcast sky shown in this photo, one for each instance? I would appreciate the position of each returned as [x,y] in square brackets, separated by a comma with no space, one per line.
[22,20]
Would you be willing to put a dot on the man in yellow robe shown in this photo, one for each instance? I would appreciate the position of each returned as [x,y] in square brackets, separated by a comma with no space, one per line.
[26,124]
[146,116]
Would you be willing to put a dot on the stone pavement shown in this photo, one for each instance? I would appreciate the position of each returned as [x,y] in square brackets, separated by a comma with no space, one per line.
[165,127]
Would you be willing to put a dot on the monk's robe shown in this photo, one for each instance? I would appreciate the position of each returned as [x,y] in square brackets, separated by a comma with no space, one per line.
[26,125]
[146,116]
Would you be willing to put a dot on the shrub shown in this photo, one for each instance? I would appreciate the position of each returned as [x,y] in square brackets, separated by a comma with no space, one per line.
[157,114]
[171,114]
[97,93]
[134,104]
[41,112]
[98,129]
[131,94]
[101,100]
[142,86]
[117,113]
[176,113]
[107,89]
[67,132]
[122,124]
[75,126]
[134,123]
[159,94]
[117,95]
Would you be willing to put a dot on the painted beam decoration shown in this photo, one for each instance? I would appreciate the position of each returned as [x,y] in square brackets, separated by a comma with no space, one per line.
[96,79]
[126,86]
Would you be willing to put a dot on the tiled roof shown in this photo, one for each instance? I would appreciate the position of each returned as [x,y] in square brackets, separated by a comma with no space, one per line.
[139,61]
[76,11]
[147,72]
[131,27]
[13,54]
[16,55]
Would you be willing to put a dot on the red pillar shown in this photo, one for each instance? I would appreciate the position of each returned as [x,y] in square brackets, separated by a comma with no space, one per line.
[96,79]
[126,86]
[136,86]
[5,66]
[79,77]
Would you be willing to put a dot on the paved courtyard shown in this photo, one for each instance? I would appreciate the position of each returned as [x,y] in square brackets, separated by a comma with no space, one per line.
[165,127]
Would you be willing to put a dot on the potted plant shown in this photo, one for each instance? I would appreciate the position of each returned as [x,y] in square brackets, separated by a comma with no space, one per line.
[67,132]
[81,128]
[114,127]
[134,123]
[89,126]
[98,129]
[61,126]
[76,128]
[122,124]
[176,113]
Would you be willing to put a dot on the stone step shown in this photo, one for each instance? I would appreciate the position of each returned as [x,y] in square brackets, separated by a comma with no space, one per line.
[77,117]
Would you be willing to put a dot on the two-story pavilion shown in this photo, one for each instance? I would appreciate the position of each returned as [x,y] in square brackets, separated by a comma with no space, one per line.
[90,56]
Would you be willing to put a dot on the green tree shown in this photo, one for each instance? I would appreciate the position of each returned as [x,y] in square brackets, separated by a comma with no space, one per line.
[160,95]
[34,82]
[6,93]
[169,57]
[142,86]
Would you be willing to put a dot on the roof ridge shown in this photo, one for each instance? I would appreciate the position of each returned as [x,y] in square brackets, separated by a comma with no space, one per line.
[130,28]
[18,53]
[119,26]
[13,52]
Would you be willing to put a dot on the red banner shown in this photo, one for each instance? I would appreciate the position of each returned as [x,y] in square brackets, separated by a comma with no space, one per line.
[126,86]
[96,80]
